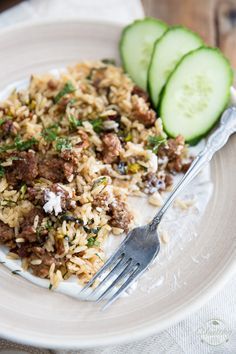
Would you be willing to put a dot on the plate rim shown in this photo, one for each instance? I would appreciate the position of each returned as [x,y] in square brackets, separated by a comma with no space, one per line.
[153,327]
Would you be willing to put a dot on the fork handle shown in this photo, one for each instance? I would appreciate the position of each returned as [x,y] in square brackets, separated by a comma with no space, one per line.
[215,142]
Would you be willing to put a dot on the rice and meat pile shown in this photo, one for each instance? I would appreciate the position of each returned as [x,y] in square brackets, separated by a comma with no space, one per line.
[72,149]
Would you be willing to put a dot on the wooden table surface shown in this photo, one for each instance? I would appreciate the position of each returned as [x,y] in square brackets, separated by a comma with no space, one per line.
[214,20]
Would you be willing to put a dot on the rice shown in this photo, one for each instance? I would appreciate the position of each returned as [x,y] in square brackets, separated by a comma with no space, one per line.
[73,148]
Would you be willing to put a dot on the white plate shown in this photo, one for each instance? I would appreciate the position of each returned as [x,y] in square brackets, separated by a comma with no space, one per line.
[184,281]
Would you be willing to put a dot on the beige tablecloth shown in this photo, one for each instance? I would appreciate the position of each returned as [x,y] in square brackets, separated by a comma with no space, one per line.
[213,328]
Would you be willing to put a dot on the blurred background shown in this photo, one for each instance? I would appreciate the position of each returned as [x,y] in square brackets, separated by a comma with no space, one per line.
[214,20]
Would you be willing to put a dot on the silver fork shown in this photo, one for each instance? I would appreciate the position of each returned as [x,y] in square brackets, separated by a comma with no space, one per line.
[142,244]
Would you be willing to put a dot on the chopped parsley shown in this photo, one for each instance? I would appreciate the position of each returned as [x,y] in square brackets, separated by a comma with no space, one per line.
[50,134]
[2,120]
[72,101]
[74,123]
[7,202]
[63,144]
[154,142]
[101,180]
[68,88]
[109,61]
[92,242]
[22,145]
[2,171]
[97,125]
[19,144]
[23,190]
[16,272]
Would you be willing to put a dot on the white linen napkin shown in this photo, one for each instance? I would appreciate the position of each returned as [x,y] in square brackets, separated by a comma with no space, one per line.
[213,328]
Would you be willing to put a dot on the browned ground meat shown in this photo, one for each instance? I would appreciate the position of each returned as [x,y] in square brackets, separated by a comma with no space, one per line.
[98,75]
[85,140]
[145,116]
[120,216]
[140,92]
[47,258]
[52,84]
[6,234]
[59,245]
[111,147]
[28,232]
[151,183]
[25,168]
[173,150]
[8,128]
[101,200]
[55,169]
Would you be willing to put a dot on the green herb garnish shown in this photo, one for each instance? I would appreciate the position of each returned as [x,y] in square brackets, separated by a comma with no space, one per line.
[74,123]
[154,142]
[128,137]
[97,124]
[19,145]
[48,225]
[22,145]
[8,202]
[109,61]
[50,133]
[23,190]
[2,171]
[63,144]
[92,242]
[50,286]
[98,256]
[68,88]
[99,181]
[16,272]
[3,120]
[72,101]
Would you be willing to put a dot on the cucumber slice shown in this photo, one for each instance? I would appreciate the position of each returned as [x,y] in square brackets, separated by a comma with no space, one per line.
[136,47]
[196,93]
[167,51]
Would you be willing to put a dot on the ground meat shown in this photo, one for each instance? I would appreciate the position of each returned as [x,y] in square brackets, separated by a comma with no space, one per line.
[140,92]
[52,84]
[59,245]
[6,234]
[173,150]
[27,230]
[143,113]
[101,200]
[120,216]
[24,249]
[97,76]
[55,169]
[32,193]
[8,128]
[111,147]
[168,180]
[47,258]
[152,183]
[25,168]
[84,144]
[61,105]
[70,156]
